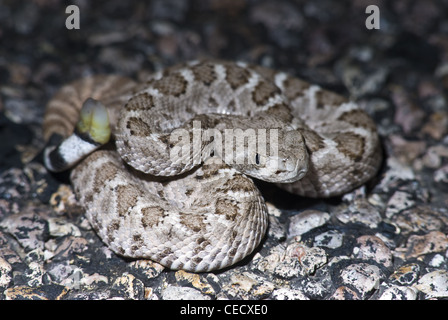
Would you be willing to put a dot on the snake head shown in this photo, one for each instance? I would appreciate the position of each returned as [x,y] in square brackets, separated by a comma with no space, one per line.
[284,160]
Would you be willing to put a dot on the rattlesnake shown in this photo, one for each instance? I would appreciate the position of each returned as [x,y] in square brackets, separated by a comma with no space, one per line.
[193,211]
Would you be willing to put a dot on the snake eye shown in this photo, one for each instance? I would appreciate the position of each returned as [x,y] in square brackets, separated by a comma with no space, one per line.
[257,159]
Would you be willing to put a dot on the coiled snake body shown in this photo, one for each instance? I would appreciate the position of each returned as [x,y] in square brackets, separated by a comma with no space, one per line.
[176,188]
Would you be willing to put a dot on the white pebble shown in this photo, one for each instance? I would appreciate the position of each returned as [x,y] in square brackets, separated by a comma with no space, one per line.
[434,284]
[5,273]
[399,293]
[305,221]
[331,239]
[437,261]
[362,276]
[182,293]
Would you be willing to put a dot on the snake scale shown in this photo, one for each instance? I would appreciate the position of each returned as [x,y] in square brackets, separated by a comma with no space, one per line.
[176,185]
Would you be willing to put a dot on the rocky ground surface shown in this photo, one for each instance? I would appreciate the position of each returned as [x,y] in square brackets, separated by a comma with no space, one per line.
[387,240]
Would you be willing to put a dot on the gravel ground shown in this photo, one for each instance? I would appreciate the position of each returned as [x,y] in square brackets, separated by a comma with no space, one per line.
[386,240]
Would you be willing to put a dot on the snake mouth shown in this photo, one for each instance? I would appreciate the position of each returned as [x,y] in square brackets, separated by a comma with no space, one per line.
[295,171]
[295,178]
